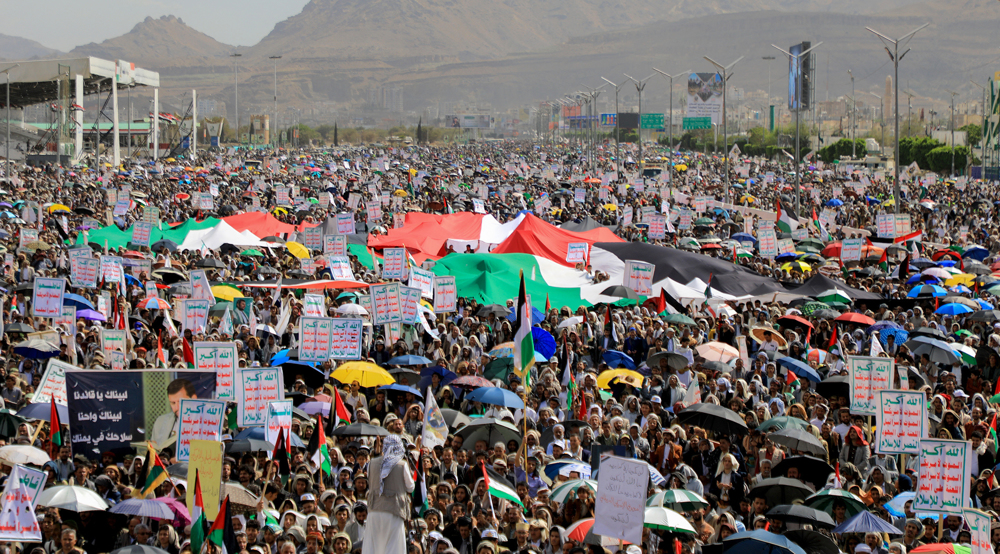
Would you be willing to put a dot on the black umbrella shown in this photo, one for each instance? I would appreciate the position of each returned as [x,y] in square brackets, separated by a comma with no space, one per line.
[713,418]
[781,490]
[838,385]
[169,275]
[405,376]
[294,370]
[812,470]
[180,469]
[798,439]
[716,366]
[250,445]
[498,309]
[928,332]
[620,291]
[813,542]
[455,418]
[490,430]
[266,270]
[674,360]
[275,240]
[797,513]
[18,328]
[986,316]
[359,430]
[983,354]
[83,210]
[209,263]
[165,243]
[25,287]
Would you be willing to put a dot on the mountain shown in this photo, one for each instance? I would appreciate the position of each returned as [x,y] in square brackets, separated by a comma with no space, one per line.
[17,48]
[154,42]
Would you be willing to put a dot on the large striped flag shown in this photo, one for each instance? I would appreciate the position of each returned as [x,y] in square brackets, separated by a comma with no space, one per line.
[787,220]
[199,527]
[222,533]
[157,473]
[499,489]
[524,344]
[319,448]
[55,426]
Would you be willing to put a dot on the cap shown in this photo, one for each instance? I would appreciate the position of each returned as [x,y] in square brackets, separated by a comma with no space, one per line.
[656,400]
[961,394]
[863,548]
[490,533]
[307,497]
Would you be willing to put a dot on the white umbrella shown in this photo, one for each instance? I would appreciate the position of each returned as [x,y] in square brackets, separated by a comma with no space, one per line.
[666,520]
[570,321]
[23,454]
[352,309]
[74,499]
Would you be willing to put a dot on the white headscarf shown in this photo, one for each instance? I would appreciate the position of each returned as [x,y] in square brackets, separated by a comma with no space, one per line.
[392,452]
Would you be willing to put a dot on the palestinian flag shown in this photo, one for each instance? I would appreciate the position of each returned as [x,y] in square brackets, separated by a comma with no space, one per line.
[883,262]
[199,527]
[548,305]
[499,489]
[157,473]
[160,354]
[708,295]
[339,412]
[524,344]
[282,455]
[55,426]
[833,341]
[188,353]
[319,448]
[823,235]
[787,220]
[581,412]
[915,236]
[222,533]
[419,496]
[793,380]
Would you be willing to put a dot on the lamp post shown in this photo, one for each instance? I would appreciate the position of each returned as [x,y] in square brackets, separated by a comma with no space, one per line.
[725,123]
[797,106]
[982,133]
[854,119]
[592,96]
[670,145]
[895,56]
[236,81]
[767,105]
[618,158]
[639,86]
[953,94]
[274,124]
[881,121]
[6,73]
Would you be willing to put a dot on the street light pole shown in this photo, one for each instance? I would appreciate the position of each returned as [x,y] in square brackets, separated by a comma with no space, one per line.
[639,86]
[725,123]
[767,105]
[895,57]
[953,94]
[670,146]
[881,121]
[854,119]
[618,158]
[797,106]
[594,94]
[274,124]
[236,81]
[6,73]
[982,133]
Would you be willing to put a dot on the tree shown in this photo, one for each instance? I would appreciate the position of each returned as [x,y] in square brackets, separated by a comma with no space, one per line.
[973,134]
[336,139]
[420,126]
[939,159]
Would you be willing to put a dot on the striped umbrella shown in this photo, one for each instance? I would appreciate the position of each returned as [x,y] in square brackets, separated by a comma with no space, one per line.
[567,490]
[143,508]
[681,500]
[657,517]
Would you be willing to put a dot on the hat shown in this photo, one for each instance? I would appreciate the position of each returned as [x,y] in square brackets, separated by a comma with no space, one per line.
[523,526]
[656,400]
[960,394]
[307,497]
[862,548]
[490,533]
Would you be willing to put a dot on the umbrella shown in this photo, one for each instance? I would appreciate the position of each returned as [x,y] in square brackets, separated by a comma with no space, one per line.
[953,309]
[181,516]
[142,508]
[567,489]
[250,445]
[718,352]
[792,321]
[554,469]
[81,303]
[408,359]
[165,243]
[74,499]
[681,500]
[927,291]
[760,542]
[578,531]
[502,350]
[154,303]
[18,328]
[9,422]
[674,360]
[782,422]
[472,381]
[797,439]
[856,318]
[227,292]
[664,519]
[498,309]
[758,335]
[496,396]
[812,541]
[36,349]
[352,309]
[91,315]
[930,332]
[402,388]
[359,430]
[620,375]
[834,295]
[938,350]
[988,316]
[800,368]
[899,336]
[405,376]
[713,418]
[866,522]
[365,373]
[781,490]
[838,385]
[455,418]
[897,506]
[489,429]
[544,342]
[43,412]
[620,291]
[811,470]
[826,498]
[801,514]
[615,359]
[24,454]
[259,433]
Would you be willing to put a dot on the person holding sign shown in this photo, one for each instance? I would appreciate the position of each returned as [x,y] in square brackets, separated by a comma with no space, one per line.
[855,449]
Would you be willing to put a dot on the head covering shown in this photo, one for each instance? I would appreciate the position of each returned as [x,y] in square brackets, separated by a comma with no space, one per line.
[392,452]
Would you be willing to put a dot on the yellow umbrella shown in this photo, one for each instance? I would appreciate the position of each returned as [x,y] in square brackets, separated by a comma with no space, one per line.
[58,207]
[226,292]
[280,211]
[748,199]
[401,193]
[681,167]
[297,249]
[960,279]
[610,207]
[366,374]
[796,266]
[623,375]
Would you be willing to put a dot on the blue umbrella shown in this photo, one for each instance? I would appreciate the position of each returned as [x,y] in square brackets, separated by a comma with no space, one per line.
[953,308]
[865,522]
[900,336]
[883,324]
[787,256]
[545,344]
[800,368]
[496,396]
[536,316]
[552,469]
[409,359]
[281,356]
[947,263]
[961,289]
[984,304]
[921,278]
[976,253]
[130,280]
[43,412]
[760,542]
[540,358]
[81,303]
[616,359]
[871,200]
[426,373]
[898,503]
[401,388]
[835,202]
[926,291]
[36,349]
[259,433]
[744,237]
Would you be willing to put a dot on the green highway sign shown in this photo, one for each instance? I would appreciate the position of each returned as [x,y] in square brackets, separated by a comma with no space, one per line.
[651,121]
[692,123]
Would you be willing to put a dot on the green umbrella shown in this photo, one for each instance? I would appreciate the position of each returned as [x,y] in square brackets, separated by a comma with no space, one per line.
[567,490]
[9,422]
[252,252]
[782,422]
[313,200]
[826,498]
[815,243]
[679,319]
[220,308]
[499,368]
[834,295]
[681,500]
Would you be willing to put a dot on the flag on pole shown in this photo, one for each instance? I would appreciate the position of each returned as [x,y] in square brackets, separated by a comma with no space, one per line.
[319,448]
[883,262]
[339,413]
[499,489]
[787,220]
[708,295]
[199,526]
[693,394]
[524,345]
[222,533]
[55,426]
[435,427]
[156,475]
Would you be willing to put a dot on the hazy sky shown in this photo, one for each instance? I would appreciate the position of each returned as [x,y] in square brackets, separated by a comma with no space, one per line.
[66,24]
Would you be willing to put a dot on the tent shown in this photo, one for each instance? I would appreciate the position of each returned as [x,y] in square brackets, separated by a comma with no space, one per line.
[221,234]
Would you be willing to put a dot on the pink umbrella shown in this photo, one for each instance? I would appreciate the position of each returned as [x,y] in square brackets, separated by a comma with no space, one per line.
[472,381]
[181,515]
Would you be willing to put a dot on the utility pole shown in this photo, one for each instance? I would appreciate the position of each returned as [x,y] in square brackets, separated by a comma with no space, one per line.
[670,145]
[982,133]
[953,94]
[767,106]
[274,124]
[236,81]
[725,72]
[798,108]
[854,119]
[639,86]
[895,56]
[881,121]
[618,158]
[6,73]
[594,93]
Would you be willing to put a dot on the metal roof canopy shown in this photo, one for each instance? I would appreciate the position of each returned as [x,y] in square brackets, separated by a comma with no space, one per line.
[34,81]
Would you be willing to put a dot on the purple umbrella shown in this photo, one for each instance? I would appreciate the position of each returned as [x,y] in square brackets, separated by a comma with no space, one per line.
[93,315]
[313,408]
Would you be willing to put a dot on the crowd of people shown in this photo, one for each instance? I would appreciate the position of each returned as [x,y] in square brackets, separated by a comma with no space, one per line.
[384,490]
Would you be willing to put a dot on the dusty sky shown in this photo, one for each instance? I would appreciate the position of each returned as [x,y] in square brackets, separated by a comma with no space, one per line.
[66,24]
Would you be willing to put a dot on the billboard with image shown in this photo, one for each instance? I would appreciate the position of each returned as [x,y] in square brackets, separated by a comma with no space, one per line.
[469,121]
[704,96]
[798,76]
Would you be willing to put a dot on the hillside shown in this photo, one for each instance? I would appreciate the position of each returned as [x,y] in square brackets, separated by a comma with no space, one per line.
[167,40]
[17,48]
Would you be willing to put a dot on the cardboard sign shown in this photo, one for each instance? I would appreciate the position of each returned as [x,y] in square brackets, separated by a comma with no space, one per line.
[32,480]
[47,297]
[312,238]
[869,376]
[315,339]
[222,359]
[141,231]
[193,314]
[394,263]
[255,389]
[385,302]
[639,277]
[346,336]
[445,294]
[112,340]
[423,280]
[345,224]
[901,421]
[53,383]
[409,302]
[199,420]
[205,463]
[576,252]
[335,245]
[621,498]
[943,478]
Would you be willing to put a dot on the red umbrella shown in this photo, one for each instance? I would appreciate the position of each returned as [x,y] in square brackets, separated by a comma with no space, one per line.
[182,196]
[578,531]
[792,320]
[832,250]
[854,317]
[712,246]
[472,381]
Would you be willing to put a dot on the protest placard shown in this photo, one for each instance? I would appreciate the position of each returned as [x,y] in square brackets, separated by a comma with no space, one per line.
[385,303]
[315,339]
[943,476]
[445,294]
[850,250]
[220,358]
[112,340]
[198,420]
[346,342]
[345,224]
[255,388]
[901,421]
[576,252]
[423,280]
[201,288]
[620,502]
[767,243]
[312,238]
[53,383]
[394,265]
[313,305]
[335,245]
[32,480]
[639,277]
[205,463]
[409,302]
[340,267]
[868,375]
[279,419]
[47,297]
[193,314]
[17,516]
[979,527]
